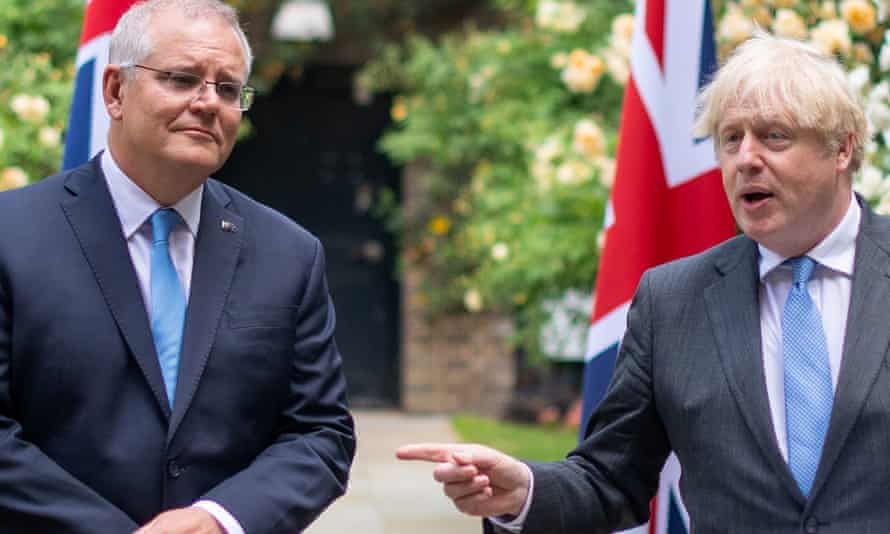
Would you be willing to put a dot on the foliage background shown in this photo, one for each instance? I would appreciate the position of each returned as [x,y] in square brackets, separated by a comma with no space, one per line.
[515,187]
[512,116]
[513,128]
[38,42]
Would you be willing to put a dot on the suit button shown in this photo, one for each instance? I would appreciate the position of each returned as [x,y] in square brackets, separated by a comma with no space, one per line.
[173,469]
[812,526]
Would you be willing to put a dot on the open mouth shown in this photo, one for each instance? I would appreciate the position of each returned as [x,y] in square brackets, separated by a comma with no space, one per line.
[756,197]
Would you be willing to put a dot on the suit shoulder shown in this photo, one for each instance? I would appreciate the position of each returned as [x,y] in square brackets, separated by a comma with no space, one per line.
[27,199]
[693,273]
[264,218]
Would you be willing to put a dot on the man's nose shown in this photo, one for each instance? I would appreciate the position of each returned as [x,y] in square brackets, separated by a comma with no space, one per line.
[206,96]
[749,154]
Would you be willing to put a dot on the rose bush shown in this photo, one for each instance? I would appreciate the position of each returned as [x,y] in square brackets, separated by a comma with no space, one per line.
[516,127]
[38,43]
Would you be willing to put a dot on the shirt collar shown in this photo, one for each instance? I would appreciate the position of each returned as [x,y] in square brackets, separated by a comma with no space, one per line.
[836,251]
[134,206]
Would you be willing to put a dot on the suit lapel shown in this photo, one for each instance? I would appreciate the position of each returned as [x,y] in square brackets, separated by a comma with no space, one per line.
[866,341]
[92,216]
[734,311]
[220,235]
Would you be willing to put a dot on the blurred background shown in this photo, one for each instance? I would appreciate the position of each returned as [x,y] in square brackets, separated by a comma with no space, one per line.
[455,157]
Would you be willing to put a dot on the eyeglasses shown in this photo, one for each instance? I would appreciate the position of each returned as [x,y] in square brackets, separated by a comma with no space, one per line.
[187,85]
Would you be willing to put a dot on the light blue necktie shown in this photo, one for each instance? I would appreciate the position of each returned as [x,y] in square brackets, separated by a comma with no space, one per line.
[808,391]
[167,299]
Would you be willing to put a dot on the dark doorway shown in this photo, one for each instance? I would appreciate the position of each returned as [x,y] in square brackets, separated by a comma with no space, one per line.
[313,158]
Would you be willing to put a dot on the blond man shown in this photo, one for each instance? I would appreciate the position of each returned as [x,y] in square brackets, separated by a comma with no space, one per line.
[762,362]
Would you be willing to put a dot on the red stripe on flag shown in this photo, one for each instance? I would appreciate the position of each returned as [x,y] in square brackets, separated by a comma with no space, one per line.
[655,28]
[653,223]
[653,509]
[101,17]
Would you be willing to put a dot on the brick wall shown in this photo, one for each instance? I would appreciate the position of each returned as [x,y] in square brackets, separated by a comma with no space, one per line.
[460,362]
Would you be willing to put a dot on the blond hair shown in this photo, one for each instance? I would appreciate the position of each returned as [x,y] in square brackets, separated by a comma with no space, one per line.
[775,76]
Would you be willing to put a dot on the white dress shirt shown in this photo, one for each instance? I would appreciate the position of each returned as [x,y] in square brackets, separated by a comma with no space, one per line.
[829,288]
[134,208]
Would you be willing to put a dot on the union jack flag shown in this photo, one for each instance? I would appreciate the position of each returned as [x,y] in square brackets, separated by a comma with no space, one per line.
[88,120]
[667,201]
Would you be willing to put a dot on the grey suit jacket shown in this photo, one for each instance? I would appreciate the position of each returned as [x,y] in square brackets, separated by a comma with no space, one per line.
[689,378]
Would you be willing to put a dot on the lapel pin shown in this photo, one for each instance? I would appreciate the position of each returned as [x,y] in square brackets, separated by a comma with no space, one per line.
[228,226]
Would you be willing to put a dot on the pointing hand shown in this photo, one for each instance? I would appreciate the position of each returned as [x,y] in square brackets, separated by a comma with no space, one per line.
[480,480]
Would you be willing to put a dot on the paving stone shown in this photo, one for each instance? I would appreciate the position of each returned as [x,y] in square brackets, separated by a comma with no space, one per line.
[388,496]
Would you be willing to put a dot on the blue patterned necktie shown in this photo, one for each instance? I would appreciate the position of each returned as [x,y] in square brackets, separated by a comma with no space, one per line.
[808,391]
[167,299]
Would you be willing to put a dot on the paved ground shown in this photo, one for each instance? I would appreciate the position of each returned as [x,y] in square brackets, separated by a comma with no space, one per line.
[387,496]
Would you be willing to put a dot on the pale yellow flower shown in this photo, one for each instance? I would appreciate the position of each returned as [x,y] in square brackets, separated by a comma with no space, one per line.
[789,24]
[583,72]
[617,65]
[860,15]
[828,10]
[563,17]
[30,108]
[623,27]
[473,300]
[588,139]
[573,173]
[49,136]
[832,37]
[735,27]
[500,251]
[12,177]
[550,149]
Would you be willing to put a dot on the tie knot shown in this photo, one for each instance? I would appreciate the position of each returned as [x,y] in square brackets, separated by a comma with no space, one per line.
[802,268]
[163,221]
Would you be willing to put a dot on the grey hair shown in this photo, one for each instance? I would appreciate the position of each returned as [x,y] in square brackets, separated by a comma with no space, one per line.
[772,75]
[131,43]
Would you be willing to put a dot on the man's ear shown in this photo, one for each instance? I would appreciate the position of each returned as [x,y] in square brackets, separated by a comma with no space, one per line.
[845,154]
[112,90]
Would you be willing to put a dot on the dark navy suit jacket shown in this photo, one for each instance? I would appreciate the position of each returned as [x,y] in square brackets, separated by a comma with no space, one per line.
[88,442]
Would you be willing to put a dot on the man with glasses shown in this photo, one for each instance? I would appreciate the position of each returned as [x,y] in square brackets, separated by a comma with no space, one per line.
[167,361]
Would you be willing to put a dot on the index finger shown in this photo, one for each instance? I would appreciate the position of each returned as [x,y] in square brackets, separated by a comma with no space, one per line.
[428,452]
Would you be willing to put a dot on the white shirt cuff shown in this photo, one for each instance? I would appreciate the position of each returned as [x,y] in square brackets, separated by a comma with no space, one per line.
[515,525]
[227,521]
